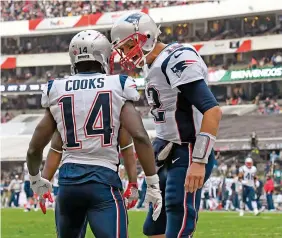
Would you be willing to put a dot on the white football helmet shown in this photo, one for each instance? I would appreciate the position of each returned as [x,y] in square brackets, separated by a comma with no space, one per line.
[139,28]
[90,45]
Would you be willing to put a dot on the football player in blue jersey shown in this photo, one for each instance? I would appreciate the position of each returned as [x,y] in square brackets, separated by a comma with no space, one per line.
[88,109]
[186,117]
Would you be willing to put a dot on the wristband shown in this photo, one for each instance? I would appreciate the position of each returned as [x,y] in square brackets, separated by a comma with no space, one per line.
[123,148]
[203,147]
[58,151]
[150,180]
[35,177]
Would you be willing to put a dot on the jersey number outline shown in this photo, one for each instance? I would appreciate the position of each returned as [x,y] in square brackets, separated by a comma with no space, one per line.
[100,112]
[249,176]
[156,108]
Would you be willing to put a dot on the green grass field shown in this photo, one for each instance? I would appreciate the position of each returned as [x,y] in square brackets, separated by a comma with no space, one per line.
[16,223]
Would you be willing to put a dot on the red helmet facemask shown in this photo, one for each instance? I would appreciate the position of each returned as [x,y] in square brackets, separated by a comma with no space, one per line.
[134,56]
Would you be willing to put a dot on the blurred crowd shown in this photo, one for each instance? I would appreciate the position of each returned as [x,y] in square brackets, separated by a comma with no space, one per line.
[26,10]
[182,32]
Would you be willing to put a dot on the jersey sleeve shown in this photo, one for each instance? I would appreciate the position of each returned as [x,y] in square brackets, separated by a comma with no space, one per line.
[48,91]
[184,66]
[129,88]
[241,170]
[255,170]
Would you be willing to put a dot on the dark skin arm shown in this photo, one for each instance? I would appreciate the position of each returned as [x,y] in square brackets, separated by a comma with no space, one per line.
[133,124]
[128,155]
[40,138]
[54,158]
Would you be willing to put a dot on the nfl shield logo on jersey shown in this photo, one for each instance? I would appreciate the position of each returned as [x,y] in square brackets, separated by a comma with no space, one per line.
[180,66]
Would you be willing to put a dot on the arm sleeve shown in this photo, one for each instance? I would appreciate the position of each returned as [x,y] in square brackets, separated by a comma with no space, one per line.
[48,89]
[184,66]
[199,95]
[129,88]
[241,170]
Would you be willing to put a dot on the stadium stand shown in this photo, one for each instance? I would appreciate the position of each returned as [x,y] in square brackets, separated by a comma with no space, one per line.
[242,48]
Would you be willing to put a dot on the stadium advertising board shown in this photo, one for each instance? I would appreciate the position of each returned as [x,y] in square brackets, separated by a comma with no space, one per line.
[34,88]
[245,75]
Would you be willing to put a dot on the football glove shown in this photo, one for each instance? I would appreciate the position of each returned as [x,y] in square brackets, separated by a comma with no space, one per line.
[42,187]
[42,201]
[131,195]
[153,195]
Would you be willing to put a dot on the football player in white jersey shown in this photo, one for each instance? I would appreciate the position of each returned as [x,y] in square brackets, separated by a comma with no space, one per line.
[126,147]
[88,109]
[30,201]
[229,181]
[247,175]
[186,117]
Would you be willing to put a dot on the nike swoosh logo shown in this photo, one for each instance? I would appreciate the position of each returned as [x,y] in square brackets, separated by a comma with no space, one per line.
[176,56]
[174,160]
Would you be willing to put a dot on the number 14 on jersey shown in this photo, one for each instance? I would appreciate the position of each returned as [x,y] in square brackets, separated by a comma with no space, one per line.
[99,113]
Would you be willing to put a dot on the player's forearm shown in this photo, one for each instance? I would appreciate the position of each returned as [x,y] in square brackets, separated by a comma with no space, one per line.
[211,119]
[130,164]
[51,165]
[34,160]
[145,155]
[134,126]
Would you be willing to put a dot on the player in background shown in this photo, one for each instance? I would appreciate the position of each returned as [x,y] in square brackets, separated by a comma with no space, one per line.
[247,175]
[229,180]
[214,191]
[238,191]
[30,200]
[81,108]
[205,196]
[186,117]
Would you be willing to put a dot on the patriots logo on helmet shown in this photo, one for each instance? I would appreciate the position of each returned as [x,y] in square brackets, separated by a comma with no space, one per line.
[180,66]
[133,18]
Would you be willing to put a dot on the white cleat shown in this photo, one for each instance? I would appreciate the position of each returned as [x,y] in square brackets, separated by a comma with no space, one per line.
[241,213]
[256,212]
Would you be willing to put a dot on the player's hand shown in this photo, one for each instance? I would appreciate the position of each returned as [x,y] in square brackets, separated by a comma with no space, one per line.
[131,195]
[40,185]
[42,201]
[153,195]
[195,177]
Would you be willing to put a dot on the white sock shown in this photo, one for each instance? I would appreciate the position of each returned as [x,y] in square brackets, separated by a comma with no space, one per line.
[254,205]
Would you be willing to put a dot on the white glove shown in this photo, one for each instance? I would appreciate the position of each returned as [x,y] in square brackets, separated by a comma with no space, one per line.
[153,195]
[40,185]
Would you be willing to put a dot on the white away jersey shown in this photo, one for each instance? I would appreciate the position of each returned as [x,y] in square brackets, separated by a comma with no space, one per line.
[26,173]
[176,119]
[228,183]
[86,108]
[249,175]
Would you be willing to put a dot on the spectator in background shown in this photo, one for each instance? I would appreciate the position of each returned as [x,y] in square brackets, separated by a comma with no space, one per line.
[273,157]
[253,64]
[269,188]
[6,194]
[15,188]
[277,175]
[223,168]
[277,59]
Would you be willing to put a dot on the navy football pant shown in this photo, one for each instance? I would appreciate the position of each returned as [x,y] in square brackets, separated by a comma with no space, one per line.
[180,210]
[100,204]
